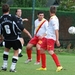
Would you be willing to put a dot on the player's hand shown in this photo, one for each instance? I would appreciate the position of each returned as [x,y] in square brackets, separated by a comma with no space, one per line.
[57,43]
[30,37]
[25,19]
[40,37]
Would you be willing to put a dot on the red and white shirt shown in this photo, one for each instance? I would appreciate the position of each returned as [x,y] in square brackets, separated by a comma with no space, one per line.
[52,26]
[42,29]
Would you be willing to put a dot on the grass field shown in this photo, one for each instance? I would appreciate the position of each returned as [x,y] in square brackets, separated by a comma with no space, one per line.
[67,61]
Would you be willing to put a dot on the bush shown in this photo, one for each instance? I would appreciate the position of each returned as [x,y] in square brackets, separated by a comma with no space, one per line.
[67,5]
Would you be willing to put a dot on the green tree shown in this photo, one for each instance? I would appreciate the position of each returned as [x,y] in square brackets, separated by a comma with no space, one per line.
[41,3]
[2,1]
[67,5]
[28,3]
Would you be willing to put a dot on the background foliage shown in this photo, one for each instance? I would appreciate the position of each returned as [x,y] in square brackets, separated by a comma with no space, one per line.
[25,3]
[64,5]
[67,5]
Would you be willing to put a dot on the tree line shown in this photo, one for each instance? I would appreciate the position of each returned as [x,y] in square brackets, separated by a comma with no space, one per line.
[24,3]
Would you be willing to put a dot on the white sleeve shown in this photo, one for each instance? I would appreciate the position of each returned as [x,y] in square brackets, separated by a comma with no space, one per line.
[34,29]
[46,26]
[55,24]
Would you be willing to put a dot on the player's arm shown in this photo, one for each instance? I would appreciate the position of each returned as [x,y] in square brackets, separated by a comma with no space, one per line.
[25,31]
[25,19]
[57,37]
[46,27]
[56,28]
[42,36]
[21,27]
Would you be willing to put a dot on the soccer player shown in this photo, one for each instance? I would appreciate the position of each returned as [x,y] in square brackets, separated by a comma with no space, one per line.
[52,37]
[40,28]
[9,27]
[20,20]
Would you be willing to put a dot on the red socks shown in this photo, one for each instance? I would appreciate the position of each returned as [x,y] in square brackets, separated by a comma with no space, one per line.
[43,60]
[29,52]
[38,56]
[55,58]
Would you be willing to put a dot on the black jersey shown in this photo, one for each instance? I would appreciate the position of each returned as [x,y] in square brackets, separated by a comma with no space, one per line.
[19,20]
[9,27]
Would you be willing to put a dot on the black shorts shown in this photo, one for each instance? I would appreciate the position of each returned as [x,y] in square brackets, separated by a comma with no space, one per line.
[14,44]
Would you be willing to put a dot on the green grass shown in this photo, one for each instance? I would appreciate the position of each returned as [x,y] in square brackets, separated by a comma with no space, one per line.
[67,61]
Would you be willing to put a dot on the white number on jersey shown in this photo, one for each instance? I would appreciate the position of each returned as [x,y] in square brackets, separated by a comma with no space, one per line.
[7,29]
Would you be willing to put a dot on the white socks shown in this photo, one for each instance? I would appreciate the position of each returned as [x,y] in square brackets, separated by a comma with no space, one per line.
[19,51]
[14,61]
[5,62]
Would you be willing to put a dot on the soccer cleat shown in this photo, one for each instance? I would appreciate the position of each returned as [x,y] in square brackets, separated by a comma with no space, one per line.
[20,55]
[36,63]
[12,70]
[4,68]
[27,61]
[42,69]
[59,68]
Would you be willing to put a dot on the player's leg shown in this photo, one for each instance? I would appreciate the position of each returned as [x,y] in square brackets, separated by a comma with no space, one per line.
[16,44]
[37,55]
[43,60]
[53,55]
[29,52]
[29,46]
[43,55]
[56,60]
[38,46]
[20,49]
[5,59]
[5,55]
[14,61]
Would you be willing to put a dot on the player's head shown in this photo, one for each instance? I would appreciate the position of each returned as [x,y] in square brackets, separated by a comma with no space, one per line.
[52,10]
[18,12]
[40,15]
[5,8]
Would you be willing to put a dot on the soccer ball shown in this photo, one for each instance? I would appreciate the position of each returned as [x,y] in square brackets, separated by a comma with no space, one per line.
[71,30]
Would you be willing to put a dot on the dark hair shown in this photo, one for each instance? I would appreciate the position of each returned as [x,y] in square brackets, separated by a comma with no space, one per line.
[5,8]
[53,9]
[40,12]
[17,9]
